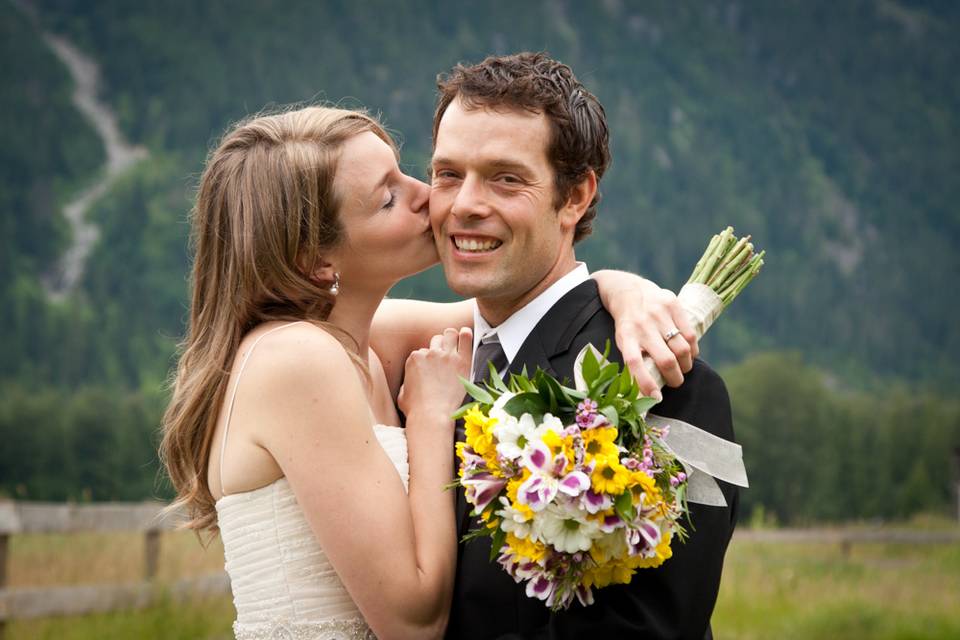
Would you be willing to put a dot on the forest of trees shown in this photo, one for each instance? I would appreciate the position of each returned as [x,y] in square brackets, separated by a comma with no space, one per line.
[828,131]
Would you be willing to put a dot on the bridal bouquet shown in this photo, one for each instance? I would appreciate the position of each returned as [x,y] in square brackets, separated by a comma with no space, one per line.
[577,487]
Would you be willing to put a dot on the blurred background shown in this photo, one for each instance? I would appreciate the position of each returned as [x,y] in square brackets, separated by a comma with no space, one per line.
[829,131]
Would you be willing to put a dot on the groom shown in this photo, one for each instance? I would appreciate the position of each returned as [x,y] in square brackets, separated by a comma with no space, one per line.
[519,148]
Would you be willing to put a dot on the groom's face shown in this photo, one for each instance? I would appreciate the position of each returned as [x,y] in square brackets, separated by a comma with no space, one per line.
[498,234]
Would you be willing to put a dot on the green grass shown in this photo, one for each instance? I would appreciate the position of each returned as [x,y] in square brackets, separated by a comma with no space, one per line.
[52,560]
[208,619]
[812,591]
[788,591]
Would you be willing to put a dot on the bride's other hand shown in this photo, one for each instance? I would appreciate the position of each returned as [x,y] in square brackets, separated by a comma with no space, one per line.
[432,379]
[644,314]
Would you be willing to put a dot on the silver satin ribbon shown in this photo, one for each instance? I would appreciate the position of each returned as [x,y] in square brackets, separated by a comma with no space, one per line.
[704,457]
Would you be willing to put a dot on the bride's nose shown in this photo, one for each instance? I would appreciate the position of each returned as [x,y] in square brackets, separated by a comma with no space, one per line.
[420,201]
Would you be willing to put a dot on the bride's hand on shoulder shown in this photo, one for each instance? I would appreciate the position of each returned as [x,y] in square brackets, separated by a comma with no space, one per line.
[648,321]
[431,383]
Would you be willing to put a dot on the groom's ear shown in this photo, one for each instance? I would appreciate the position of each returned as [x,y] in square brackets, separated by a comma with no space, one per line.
[578,201]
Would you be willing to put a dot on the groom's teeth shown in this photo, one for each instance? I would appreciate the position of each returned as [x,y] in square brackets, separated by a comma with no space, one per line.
[471,244]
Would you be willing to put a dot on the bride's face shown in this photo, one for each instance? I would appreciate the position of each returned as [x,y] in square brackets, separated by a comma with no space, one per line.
[385,217]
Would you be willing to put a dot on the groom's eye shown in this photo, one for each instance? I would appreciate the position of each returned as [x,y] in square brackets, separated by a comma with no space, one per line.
[509,179]
[444,174]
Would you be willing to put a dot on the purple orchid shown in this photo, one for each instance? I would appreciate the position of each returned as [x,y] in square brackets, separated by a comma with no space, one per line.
[548,479]
[481,488]
[593,502]
[643,537]
[541,588]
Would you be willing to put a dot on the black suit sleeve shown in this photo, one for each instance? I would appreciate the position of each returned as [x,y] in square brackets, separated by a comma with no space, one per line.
[675,600]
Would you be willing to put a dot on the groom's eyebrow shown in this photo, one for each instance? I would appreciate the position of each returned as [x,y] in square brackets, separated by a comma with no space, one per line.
[435,160]
[498,163]
[508,165]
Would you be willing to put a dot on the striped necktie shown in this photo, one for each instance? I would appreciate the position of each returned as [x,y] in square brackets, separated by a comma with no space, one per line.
[489,350]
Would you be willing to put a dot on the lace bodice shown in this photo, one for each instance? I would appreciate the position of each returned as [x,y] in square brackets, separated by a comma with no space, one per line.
[284,587]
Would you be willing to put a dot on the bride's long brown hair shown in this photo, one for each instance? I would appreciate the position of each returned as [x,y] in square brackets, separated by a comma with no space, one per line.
[266,211]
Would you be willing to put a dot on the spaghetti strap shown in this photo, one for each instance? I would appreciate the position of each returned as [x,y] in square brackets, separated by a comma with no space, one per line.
[233,396]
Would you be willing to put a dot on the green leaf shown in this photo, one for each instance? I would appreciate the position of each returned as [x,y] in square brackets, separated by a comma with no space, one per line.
[561,394]
[540,382]
[611,415]
[574,395]
[497,540]
[530,402]
[497,379]
[626,380]
[642,405]
[476,392]
[590,367]
[607,374]
[612,391]
[609,371]
[636,433]
[624,506]
[462,411]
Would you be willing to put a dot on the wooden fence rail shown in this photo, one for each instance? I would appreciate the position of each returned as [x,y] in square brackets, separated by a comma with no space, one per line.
[18,518]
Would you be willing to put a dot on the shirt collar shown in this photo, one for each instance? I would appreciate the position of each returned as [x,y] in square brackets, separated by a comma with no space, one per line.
[513,331]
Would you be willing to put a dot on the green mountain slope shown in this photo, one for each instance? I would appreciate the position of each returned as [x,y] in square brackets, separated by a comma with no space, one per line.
[829,132]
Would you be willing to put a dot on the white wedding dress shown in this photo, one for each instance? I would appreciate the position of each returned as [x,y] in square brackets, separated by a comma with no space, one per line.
[284,587]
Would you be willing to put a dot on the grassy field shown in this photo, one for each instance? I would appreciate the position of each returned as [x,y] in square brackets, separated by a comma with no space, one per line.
[777,590]
[814,591]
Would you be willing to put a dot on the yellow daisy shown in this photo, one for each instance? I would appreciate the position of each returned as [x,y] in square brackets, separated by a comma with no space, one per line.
[559,444]
[609,476]
[479,431]
[600,442]
[526,548]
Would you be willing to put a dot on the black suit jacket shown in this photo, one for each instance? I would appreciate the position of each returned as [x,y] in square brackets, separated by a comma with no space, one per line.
[672,601]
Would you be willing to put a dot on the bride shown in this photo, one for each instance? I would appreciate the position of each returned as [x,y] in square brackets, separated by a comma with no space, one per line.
[282,430]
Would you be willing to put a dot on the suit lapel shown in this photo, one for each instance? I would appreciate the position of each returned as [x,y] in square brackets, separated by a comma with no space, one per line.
[557,329]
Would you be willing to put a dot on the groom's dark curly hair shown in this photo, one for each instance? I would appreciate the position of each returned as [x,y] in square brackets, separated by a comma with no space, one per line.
[535,82]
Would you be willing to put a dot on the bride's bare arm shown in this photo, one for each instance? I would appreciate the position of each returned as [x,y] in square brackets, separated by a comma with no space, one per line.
[643,312]
[395,554]
[402,326]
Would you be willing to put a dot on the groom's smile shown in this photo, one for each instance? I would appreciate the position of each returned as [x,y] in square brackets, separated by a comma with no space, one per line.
[473,245]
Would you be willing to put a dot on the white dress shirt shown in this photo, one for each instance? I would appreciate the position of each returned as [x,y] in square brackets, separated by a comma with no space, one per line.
[513,331]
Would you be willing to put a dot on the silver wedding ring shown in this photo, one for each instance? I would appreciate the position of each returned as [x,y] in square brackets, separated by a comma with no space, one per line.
[670,334]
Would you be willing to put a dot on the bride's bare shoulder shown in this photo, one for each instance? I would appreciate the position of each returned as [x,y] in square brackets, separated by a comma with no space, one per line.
[297,357]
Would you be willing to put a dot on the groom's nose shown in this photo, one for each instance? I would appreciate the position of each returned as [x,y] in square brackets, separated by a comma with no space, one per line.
[471,199]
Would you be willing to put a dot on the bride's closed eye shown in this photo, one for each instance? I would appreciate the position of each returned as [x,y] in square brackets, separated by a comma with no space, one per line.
[392,201]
